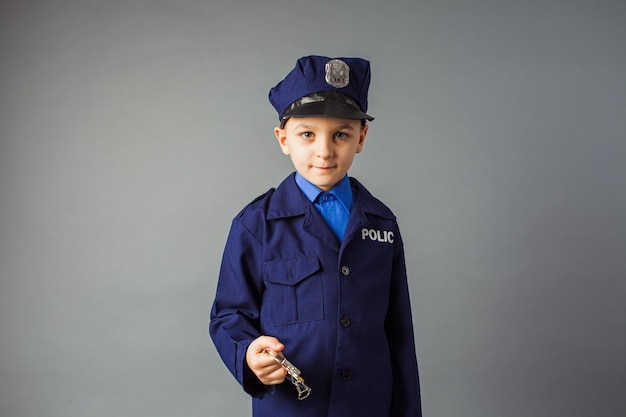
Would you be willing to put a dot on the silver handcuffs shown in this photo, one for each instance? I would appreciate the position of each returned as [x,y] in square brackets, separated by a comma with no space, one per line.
[293,373]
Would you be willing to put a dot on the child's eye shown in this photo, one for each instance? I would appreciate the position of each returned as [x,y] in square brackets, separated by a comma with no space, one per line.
[307,135]
[341,135]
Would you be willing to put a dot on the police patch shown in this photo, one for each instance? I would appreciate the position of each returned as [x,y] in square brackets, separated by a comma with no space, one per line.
[337,73]
[383,236]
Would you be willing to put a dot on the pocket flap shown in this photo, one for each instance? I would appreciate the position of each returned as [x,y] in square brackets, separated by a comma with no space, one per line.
[291,271]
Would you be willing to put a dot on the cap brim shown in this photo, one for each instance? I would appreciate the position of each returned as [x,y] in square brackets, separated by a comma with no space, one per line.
[328,109]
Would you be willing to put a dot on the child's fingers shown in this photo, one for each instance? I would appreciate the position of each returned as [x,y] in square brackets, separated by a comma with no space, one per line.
[265,342]
[266,369]
[272,377]
[262,364]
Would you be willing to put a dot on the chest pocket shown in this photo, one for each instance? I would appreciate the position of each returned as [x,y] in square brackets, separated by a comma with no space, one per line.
[295,289]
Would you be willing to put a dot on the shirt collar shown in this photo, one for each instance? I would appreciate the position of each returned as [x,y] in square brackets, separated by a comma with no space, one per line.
[343,190]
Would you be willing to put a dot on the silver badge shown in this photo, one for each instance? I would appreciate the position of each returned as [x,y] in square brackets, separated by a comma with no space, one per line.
[337,73]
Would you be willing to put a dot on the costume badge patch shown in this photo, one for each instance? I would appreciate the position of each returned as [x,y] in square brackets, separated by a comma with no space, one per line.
[383,236]
[337,73]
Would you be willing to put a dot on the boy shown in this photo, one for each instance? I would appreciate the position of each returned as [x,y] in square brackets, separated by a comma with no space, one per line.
[315,270]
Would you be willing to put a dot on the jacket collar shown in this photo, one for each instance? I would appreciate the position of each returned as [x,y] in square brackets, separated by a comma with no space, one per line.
[289,201]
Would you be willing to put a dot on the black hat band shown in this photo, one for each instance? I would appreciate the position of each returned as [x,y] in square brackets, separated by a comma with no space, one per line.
[325,103]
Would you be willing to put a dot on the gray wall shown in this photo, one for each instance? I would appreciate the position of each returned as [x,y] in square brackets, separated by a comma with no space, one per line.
[133,131]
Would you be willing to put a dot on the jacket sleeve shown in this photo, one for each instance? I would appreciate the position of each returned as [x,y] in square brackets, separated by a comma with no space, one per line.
[234,321]
[406,400]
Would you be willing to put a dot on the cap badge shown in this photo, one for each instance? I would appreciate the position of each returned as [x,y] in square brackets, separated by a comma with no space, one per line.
[337,73]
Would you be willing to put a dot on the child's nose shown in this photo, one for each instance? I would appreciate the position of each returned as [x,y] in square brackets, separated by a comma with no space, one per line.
[324,147]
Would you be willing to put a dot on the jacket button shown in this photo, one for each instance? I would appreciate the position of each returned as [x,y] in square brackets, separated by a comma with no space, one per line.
[345,271]
[346,322]
[346,375]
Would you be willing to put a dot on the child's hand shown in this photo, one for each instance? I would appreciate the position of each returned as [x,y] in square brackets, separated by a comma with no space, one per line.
[264,366]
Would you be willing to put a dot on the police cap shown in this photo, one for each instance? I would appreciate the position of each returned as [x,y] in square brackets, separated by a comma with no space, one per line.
[322,86]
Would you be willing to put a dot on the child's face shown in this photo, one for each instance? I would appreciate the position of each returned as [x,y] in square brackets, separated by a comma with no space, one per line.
[321,148]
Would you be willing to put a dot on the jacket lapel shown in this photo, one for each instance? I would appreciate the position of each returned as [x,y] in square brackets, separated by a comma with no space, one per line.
[289,201]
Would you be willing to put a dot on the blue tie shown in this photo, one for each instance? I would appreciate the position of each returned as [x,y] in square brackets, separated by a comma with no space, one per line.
[334,212]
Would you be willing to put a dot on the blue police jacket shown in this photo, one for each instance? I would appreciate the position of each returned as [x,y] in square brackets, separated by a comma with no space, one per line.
[341,309]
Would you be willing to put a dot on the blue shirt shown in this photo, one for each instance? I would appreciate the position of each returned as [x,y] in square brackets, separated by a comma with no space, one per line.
[334,206]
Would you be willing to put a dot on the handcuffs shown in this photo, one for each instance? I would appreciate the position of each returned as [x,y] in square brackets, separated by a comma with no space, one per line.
[293,373]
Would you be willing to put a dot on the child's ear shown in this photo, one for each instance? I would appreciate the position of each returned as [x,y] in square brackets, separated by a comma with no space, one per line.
[281,135]
[362,138]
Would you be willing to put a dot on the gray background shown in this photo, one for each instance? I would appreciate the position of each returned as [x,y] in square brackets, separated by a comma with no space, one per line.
[133,131]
